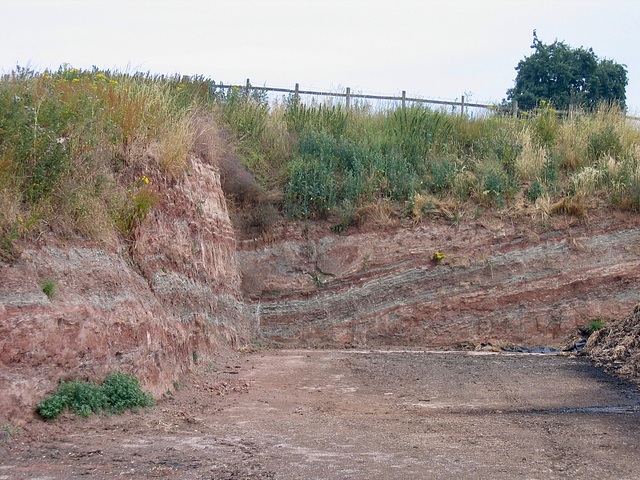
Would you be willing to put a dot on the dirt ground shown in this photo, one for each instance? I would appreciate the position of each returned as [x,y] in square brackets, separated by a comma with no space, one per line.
[353,414]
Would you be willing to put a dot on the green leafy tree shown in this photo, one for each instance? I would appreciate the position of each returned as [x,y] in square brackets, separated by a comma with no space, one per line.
[566,76]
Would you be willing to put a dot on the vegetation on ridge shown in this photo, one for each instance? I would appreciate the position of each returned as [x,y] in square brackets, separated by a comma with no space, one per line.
[86,152]
[77,149]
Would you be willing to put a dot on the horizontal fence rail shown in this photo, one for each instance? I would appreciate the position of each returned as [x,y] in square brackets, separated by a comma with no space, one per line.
[348,96]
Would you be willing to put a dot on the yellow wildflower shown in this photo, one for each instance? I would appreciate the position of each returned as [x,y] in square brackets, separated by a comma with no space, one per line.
[437,256]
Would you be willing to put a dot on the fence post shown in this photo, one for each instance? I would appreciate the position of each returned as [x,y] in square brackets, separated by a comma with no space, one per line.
[246,89]
[404,98]
[348,97]
[296,95]
[462,105]
[515,108]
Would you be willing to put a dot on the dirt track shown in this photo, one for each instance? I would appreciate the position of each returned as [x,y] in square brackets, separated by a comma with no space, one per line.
[357,415]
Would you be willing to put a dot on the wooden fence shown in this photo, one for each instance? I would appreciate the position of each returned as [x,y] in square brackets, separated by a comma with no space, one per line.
[348,95]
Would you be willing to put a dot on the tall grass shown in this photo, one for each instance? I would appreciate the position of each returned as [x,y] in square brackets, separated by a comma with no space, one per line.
[74,145]
[336,160]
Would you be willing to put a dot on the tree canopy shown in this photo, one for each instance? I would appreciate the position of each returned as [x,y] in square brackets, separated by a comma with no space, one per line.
[565,76]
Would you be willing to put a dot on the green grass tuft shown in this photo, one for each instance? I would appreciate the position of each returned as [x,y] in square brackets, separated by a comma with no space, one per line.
[49,287]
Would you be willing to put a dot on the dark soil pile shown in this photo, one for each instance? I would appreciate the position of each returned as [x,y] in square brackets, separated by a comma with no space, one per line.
[617,347]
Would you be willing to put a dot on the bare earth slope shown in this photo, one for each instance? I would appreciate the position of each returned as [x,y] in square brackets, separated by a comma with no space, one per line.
[356,415]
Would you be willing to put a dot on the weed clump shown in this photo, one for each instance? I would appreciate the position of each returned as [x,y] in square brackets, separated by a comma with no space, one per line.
[49,287]
[594,325]
[118,393]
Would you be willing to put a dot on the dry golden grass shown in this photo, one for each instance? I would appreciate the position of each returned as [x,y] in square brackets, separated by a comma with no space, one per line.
[176,141]
[570,206]
[531,160]
[585,182]
[381,213]
[420,206]
[571,145]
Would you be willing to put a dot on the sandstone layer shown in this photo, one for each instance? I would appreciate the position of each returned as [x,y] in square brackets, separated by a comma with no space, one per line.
[500,279]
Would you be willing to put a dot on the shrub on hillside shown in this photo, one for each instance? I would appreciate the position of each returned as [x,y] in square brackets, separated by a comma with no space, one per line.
[118,393]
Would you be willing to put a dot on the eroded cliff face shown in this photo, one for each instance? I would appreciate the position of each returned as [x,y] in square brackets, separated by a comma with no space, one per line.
[501,279]
[172,300]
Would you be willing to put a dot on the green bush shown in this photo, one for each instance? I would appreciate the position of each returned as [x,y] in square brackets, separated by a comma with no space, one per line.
[118,393]
[49,287]
[311,189]
[443,172]
[535,190]
[123,392]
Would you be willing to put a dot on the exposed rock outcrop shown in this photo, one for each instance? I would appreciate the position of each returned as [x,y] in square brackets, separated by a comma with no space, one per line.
[499,279]
[152,310]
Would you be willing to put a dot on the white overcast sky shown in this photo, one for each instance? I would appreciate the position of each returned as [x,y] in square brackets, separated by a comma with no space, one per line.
[432,49]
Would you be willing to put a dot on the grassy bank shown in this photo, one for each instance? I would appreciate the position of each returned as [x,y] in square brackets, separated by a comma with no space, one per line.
[330,161]
[85,153]
[77,150]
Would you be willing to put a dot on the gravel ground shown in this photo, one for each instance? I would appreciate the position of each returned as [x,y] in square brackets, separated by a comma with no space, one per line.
[352,414]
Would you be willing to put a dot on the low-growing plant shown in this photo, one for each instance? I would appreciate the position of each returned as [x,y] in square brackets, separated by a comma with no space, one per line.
[318,278]
[49,287]
[12,429]
[123,392]
[535,190]
[438,256]
[118,393]
[365,262]
[594,325]
[136,206]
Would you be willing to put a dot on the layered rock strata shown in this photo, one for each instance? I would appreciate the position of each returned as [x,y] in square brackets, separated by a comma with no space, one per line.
[498,280]
[155,309]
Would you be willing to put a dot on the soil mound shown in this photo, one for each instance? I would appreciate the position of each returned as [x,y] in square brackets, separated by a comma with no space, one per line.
[617,347]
